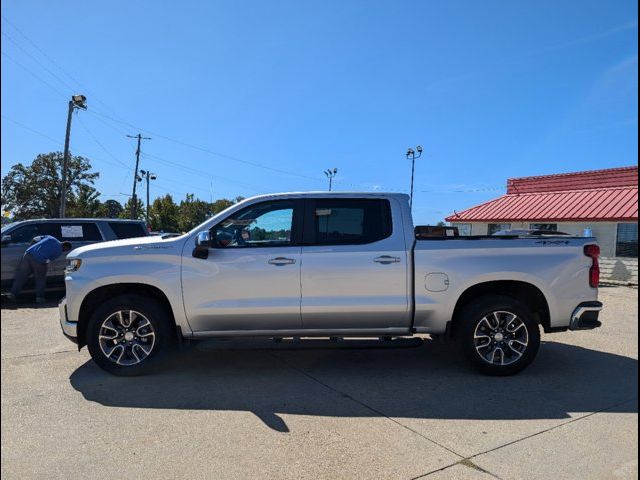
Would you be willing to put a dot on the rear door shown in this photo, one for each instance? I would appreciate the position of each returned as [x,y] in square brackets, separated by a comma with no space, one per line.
[354,265]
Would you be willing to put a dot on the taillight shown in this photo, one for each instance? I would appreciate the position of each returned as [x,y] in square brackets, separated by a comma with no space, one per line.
[593,252]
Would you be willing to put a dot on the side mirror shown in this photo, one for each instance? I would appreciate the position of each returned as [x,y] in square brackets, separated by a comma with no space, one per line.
[203,243]
[6,239]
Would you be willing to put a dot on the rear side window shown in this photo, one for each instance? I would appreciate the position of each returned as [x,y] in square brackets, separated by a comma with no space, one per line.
[78,232]
[350,221]
[127,230]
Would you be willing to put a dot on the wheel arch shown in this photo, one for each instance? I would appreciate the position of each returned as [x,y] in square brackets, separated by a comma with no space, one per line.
[100,294]
[524,292]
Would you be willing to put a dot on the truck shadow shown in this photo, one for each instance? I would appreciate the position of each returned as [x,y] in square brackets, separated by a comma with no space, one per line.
[429,382]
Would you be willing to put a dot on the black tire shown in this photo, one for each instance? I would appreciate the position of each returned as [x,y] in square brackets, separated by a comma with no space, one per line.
[505,354]
[145,309]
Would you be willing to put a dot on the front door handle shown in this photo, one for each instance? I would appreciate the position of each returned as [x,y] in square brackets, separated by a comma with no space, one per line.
[281,261]
[386,259]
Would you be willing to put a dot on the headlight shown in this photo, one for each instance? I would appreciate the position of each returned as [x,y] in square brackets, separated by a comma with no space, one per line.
[73,264]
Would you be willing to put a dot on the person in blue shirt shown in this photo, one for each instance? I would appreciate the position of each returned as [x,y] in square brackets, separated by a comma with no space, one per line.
[43,250]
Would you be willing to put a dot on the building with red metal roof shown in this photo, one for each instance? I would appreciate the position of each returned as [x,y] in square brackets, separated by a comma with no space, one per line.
[603,202]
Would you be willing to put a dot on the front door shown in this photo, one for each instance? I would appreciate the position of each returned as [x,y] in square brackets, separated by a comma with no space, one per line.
[251,278]
[354,265]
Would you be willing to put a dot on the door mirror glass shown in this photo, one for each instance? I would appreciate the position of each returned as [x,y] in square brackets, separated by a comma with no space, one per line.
[203,240]
[6,239]
[203,243]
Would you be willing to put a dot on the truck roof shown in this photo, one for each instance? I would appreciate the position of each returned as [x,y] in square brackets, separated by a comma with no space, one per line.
[325,194]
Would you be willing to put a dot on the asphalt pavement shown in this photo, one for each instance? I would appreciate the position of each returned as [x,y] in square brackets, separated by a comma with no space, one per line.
[224,411]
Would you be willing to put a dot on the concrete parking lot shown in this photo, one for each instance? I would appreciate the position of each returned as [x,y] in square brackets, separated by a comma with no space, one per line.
[406,413]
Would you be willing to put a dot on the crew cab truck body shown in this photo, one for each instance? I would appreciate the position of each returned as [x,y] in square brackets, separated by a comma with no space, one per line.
[327,265]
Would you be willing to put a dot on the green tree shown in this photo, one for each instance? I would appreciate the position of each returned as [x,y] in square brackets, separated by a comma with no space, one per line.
[164,214]
[34,191]
[191,212]
[126,211]
[110,209]
[220,205]
[85,204]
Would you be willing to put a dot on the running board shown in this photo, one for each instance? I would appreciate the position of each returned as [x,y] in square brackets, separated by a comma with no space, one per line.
[297,343]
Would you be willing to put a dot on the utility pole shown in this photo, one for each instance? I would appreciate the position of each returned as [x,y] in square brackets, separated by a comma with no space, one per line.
[134,199]
[76,102]
[412,154]
[330,174]
[149,176]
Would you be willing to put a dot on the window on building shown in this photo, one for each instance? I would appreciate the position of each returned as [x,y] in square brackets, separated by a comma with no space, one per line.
[550,227]
[464,229]
[627,240]
[497,227]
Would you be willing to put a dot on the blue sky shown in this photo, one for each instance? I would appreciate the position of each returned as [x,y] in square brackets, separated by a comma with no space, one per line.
[253,97]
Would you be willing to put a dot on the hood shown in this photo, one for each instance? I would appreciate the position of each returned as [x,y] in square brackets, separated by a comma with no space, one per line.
[151,243]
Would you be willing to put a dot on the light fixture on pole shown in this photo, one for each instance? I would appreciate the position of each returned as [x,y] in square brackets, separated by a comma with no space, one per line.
[149,176]
[330,173]
[412,154]
[76,102]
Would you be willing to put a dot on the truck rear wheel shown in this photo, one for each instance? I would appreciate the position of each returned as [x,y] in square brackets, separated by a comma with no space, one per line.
[128,335]
[499,335]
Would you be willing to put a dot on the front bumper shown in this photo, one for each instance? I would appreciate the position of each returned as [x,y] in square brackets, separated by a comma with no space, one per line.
[585,316]
[69,329]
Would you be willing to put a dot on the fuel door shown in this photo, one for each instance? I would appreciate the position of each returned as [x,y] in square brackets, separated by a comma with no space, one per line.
[436,282]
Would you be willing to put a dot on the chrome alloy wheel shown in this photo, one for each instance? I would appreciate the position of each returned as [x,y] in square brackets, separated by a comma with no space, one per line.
[126,337]
[501,338]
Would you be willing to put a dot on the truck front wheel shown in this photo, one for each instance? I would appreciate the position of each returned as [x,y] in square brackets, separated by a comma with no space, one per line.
[128,335]
[499,335]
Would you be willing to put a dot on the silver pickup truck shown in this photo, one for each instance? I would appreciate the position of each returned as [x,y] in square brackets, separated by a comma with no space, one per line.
[327,265]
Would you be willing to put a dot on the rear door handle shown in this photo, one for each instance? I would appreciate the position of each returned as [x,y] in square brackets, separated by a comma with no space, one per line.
[281,261]
[386,259]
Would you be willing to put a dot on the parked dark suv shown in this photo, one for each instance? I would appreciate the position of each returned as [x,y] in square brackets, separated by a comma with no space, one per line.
[17,236]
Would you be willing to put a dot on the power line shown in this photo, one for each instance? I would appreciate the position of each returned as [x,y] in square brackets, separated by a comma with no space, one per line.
[95,139]
[34,75]
[200,173]
[211,152]
[38,62]
[53,62]
[57,142]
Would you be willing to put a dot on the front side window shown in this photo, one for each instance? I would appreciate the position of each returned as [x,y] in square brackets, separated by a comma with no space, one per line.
[351,221]
[24,234]
[627,240]
[268,224]
[497,227]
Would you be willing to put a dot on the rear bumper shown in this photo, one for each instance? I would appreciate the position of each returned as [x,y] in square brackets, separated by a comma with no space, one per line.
[69,329]
[585,316]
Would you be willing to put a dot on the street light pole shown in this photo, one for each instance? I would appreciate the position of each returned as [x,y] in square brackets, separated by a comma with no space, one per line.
[330,173]
[134,199]
[76,102]
[149,176]
[412,154]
